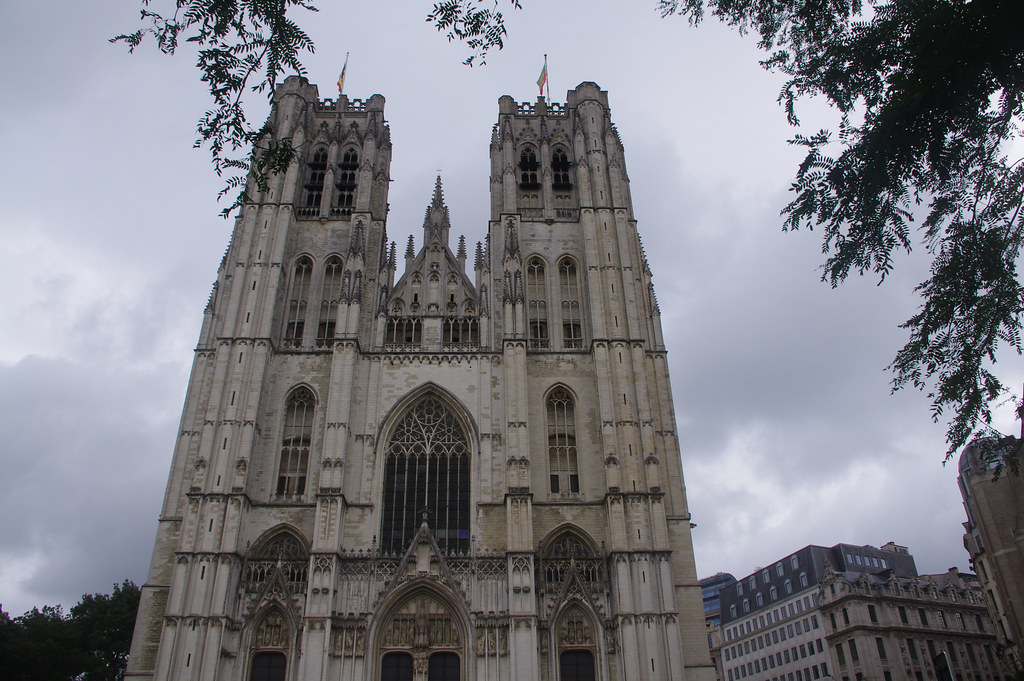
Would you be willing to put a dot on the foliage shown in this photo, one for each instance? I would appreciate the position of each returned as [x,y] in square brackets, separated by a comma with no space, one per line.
[930,95]
[244,45]
[477,23]
[89,644]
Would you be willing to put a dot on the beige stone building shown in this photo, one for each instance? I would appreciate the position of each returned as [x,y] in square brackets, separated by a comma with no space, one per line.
[466,471]
[890,628]
[994,536]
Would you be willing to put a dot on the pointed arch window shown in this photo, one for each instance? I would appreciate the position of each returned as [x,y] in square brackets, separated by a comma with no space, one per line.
[426,470]
[298,301]
[569,555]
[443,667]
[329,301]
[346,184]
[315,186]
[396,667]
[569,288]
[560,169]
[537,303]
[268,666]
[562,463]
[295,442]
[528,167]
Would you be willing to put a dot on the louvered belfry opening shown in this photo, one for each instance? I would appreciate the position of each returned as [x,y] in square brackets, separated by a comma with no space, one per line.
[427,470]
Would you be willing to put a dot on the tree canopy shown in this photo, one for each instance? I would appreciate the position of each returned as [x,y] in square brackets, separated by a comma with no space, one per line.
[929,96]
[90,643]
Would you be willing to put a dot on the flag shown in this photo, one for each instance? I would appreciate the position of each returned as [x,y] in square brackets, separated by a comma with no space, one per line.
[542,81]
[341,78]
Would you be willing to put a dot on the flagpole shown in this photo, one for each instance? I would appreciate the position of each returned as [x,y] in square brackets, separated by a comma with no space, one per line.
[548,79]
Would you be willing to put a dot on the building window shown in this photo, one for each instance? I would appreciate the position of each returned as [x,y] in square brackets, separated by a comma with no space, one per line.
[773,593]
[880,644]
[329,302]
[396,667]
[846,617]
[788,586]
[903,615]
[528,167]
[764,576]
[562,464]
[426,470]
[841,655]
[779,569]
[537,306]
[794,562]
[560,169]
[872,613]
[732,611]
[460,331]
[752,582]
[853,652]
[297,434]
[268,666]
[803,580]
[315,186]
[576,665]
[568,284]
[942,619]
[298,301]
[960,620]
[912,649]
[746,605]
[759,599]
[923,617]
[403,331]
[739,588]
[443,667]
[346,183]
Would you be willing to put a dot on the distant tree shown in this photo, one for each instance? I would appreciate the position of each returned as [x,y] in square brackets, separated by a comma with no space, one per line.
[89,644]
[929,95]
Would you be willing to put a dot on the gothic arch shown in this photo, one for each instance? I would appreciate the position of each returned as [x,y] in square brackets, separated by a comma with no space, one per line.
[421,618]
[578,643]
[390,419]
[426,443]
[270,640]
[268,537]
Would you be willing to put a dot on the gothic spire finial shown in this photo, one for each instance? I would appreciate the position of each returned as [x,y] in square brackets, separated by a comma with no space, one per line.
[436,223]
[462,248]
[410,251]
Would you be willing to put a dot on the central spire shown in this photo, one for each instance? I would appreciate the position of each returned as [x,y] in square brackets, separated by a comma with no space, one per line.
[436,223]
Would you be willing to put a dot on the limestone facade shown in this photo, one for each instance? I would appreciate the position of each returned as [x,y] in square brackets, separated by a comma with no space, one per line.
[450,473]
[994,536]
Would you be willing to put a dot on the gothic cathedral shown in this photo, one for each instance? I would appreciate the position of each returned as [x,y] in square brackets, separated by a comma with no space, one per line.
[449,475]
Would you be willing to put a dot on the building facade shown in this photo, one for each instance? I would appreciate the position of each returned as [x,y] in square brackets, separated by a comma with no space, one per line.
[468,471]
[710,589]
[994,537]
[772,623]
[891,628]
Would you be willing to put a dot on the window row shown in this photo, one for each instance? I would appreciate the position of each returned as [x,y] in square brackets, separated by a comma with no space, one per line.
[345,183]
[751,581]
[774,637]
[771,617]
[764,665]
[566,301]
[335,285]
[426,465]
[529,167]
[456,332]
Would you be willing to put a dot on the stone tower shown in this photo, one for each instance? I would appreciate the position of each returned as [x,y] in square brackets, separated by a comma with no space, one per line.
[449,475]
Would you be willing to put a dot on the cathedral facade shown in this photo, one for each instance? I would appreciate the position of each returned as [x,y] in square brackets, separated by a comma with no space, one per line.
[466,471]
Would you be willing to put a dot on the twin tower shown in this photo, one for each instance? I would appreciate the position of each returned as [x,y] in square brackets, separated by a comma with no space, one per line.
[469,471]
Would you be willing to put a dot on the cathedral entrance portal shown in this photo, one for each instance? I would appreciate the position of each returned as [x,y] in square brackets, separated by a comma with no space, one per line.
[421,641]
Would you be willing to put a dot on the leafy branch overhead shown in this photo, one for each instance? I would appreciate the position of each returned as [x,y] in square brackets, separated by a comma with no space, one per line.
[930,94]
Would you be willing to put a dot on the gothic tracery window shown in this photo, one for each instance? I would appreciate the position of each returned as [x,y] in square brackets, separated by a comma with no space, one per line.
[329,301]
[528,167]
[298,301]
[346,184]
[297,434]
[569,555]
[568,285]
[537,305]
[315,186]
[562,461]
[560,169]
[426,470]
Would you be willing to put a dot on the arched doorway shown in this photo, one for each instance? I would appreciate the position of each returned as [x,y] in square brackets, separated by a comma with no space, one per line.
[421,639]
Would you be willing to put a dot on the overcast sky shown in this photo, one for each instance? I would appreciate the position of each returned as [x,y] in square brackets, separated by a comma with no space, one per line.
[111,240]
